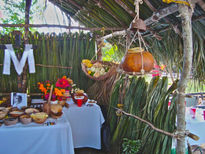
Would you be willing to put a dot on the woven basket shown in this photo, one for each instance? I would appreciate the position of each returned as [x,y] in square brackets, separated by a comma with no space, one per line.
[108,74]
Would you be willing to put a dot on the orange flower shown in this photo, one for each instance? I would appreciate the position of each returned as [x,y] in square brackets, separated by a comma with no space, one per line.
[62,90]
[70,81]
[58,92]
[45,92]
[41,86]
[64,77]
[60,87]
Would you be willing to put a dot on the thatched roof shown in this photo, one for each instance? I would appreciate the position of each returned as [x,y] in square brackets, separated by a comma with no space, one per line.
[120,13]
[163,21]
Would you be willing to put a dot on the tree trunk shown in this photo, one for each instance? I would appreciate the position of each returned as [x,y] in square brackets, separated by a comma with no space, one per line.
[187,64]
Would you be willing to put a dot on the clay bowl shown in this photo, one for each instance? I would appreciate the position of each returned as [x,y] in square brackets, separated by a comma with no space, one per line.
[2,108]
[56,116]
[3,114]
[10,121]
[40,121]
[25,119]
[16,114]
[14,109]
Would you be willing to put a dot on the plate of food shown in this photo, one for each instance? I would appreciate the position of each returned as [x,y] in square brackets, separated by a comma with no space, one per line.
[39,117]
[56,111]
[16,114]
[31,110]
[91,102]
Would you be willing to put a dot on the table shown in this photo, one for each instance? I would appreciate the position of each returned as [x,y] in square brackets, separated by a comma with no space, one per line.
[37,138]
[196,125]
[86,122]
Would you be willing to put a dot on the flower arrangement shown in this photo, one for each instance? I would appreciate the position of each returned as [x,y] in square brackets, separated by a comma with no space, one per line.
[60,87]
[97,69]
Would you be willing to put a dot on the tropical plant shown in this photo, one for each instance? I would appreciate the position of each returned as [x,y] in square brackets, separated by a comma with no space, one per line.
[130,146]
[14,13]
[111,53]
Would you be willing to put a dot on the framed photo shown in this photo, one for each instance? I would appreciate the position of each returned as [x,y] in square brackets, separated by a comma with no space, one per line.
[18,99]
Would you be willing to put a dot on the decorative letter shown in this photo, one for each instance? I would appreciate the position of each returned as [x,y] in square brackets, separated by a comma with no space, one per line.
[10,54]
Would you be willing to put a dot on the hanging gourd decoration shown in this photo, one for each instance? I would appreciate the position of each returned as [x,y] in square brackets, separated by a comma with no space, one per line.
[132,61]
[136,59]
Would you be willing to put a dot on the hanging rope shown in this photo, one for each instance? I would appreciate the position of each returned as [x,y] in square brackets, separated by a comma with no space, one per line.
[136,3]
[138,34]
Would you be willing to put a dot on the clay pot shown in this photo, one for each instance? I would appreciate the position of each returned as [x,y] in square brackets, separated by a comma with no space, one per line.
[132,61]
[138,24]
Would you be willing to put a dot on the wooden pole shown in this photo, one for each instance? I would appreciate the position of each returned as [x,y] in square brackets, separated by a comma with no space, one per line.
[186,14]
[24,74]
[99,50]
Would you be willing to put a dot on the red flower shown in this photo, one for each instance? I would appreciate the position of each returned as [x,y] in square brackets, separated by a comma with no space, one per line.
[62,83]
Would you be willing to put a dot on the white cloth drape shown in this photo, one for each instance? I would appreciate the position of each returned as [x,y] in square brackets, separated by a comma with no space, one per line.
[19,65]
[37,139]
[86,125]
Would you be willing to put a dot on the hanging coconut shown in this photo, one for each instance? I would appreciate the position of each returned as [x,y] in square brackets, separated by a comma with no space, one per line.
[137,59]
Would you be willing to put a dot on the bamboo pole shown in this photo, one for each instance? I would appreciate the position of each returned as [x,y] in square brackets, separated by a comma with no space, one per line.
[62,26]
[187,64]
[50,66]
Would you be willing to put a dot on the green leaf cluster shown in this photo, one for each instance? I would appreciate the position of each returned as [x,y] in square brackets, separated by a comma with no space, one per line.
[150,102]
[130,146]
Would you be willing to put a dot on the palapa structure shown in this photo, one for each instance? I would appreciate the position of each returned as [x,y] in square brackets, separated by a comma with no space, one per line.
[175,34]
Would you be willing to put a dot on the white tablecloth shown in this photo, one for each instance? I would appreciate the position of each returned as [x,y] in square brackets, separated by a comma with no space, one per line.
[196,125]
[86,122]
[37,139]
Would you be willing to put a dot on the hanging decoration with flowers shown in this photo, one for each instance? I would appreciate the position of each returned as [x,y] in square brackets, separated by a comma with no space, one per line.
[98,70]
[61,91]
